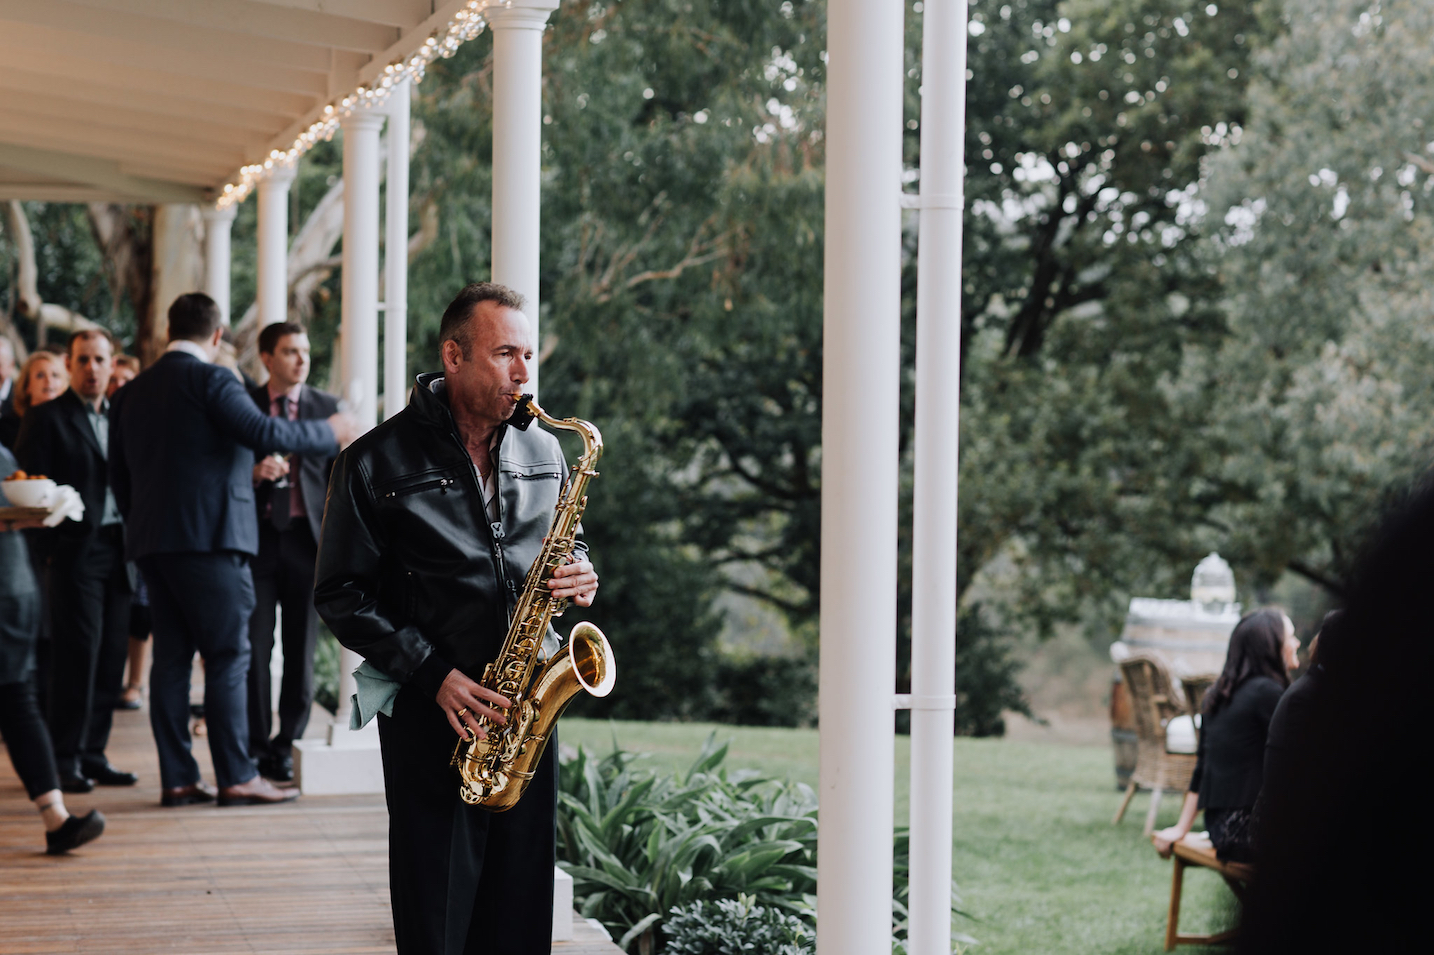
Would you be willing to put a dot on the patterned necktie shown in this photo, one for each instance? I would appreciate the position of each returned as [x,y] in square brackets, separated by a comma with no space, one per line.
[279,506]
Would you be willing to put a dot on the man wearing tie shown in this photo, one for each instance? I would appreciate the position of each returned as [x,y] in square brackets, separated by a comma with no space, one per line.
[290,502]
[181,466]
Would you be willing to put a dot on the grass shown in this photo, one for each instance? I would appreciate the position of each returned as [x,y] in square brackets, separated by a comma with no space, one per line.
[1038,862]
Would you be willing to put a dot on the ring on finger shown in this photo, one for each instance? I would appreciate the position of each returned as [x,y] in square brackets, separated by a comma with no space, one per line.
[463,711]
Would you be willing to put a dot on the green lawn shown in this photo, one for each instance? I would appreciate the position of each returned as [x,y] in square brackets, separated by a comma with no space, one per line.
[1039,864]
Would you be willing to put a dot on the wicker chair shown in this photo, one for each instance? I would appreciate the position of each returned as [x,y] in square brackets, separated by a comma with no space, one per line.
[1195,689]
[1155,699]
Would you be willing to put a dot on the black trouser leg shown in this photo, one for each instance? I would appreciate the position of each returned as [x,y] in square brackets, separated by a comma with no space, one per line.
[462,879]
[110,662]
[26,739]
[297,554]
[261,643]
[200,602]
[89,604]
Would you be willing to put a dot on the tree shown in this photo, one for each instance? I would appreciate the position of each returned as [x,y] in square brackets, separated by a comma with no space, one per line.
[1324,238]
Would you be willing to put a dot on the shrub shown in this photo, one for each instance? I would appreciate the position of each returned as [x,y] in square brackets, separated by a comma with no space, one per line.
[736,927]
[639,845]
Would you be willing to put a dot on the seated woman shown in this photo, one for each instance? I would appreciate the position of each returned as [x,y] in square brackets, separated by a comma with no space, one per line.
[1229,767]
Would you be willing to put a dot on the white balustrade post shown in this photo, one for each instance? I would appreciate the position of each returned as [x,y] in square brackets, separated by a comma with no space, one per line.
[217,258]
[358,356]
[938,398]
[861,373]
[517,148]
[273,291]
[395,308]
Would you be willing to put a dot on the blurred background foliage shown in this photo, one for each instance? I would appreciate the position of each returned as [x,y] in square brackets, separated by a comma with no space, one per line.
[1194,314]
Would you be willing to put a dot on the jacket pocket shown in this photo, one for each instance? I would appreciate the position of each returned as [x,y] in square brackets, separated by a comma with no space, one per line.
[415,484]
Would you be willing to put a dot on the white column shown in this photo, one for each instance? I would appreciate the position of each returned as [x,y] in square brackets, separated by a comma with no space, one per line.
[217,258]
[933,558]
[517,148]
[358,355]
[861,369]
[273,292]
[395,308]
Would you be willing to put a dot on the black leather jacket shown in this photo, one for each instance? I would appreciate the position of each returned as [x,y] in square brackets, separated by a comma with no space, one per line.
[410,574]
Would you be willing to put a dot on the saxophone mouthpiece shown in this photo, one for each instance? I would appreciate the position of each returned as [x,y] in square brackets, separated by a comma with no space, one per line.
[522,412]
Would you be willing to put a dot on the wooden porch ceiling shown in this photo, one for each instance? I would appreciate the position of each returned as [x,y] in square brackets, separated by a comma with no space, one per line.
[164,100]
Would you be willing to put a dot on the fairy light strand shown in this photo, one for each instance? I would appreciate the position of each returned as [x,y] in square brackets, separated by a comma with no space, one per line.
[466,24]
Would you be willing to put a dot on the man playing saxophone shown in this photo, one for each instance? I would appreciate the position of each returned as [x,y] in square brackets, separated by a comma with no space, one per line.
[433,519]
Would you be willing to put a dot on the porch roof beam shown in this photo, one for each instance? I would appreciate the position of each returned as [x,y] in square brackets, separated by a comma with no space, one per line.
[116,142]
[154,33]
[100,174]
[73,93]
[43,108]
[175,64]
[147,81]
[252,18]
[388,12]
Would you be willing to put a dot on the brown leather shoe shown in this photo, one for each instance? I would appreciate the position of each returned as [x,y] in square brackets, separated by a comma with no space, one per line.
[188,795]
[256,792]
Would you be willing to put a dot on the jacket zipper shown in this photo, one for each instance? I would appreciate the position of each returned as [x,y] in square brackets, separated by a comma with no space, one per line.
[441,483]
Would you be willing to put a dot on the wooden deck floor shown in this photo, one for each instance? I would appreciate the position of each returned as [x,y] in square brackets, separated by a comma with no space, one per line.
[307,877]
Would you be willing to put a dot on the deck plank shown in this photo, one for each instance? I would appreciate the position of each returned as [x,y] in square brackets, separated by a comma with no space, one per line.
[303,878]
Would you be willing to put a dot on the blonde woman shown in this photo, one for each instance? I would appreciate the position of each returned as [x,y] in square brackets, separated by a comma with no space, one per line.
[42,378]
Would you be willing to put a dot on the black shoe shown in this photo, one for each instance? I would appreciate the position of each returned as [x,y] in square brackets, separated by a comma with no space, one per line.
[75,832]
[106,775]
[75,783]
[278,768]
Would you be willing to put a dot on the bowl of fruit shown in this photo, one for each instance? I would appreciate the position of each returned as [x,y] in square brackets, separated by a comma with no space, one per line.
[28,490]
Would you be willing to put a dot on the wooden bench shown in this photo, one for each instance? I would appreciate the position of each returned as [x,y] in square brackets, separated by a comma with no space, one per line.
[1195,850]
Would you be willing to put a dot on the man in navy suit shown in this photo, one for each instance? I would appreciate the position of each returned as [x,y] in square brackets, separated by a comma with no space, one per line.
[182,436]
[89,582]
[289,494]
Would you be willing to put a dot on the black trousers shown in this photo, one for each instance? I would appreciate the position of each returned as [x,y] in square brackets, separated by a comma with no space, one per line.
[463,880]
[201,603]
[26,739]
[283,577]
[89,606]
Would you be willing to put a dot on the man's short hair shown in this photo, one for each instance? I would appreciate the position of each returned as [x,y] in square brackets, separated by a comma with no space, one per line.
[270,335]
[85,334]
[127,361]
[455,325]
[193,317]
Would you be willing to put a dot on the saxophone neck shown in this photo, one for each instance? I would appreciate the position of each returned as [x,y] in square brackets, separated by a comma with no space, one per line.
[528,410]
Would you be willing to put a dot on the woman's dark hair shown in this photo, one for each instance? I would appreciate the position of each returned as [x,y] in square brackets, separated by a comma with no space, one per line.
[1256,649]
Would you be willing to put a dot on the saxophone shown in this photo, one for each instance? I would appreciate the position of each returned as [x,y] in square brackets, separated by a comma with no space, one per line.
[497,769]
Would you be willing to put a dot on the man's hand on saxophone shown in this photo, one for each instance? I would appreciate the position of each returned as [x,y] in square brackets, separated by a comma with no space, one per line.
[577,582]
[462,702]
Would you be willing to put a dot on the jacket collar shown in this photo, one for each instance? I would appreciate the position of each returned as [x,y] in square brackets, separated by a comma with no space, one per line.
[430,403]
[79,418]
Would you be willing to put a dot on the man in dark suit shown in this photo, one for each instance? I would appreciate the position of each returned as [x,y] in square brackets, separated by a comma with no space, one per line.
[181,465]
[290,502]
[90,586]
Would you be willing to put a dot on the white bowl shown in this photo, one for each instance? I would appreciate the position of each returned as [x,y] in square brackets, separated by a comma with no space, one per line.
[35,493]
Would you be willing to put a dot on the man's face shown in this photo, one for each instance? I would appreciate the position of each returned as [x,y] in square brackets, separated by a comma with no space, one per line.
[90,363]
[496,368]
[7,360]
[288,364]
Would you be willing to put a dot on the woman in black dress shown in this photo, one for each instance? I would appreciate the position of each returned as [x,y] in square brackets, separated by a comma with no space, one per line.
[1229,767]
[21,726]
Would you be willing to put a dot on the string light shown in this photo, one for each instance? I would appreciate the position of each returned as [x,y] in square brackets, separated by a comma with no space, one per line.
[466,24]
